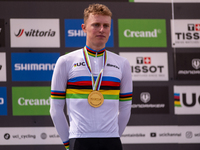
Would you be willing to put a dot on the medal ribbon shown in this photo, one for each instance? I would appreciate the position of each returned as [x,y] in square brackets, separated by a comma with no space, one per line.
[95,84]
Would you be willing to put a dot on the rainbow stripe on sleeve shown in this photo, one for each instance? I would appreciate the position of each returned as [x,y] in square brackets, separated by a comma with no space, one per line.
[66,143]
[125,96]
[58,95]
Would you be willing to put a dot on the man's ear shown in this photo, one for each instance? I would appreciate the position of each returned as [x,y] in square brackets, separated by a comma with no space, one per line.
[83,27]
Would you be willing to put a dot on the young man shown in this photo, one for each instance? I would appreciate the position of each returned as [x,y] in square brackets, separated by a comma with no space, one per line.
[97,87]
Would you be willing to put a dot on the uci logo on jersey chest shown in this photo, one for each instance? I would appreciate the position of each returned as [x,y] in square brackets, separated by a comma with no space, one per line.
[79,64]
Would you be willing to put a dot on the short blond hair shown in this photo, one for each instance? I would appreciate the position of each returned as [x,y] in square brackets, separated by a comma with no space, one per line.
[96,9]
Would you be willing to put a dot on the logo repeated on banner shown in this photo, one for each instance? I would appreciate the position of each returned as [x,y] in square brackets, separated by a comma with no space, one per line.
[151,66]
[2,33]
[29,136]
[35,32]
[142,33]
[187,66]
[75,37]
[33,66]
[161,134]
[185,33]
[186,100]
[31,101]
[2,66]
[152,100]
[3,101]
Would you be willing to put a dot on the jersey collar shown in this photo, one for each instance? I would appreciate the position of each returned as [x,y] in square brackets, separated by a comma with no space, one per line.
[94,53]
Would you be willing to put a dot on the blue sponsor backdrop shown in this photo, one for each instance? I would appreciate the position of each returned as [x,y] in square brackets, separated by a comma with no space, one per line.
[3,101]
[75,37]
[33,66]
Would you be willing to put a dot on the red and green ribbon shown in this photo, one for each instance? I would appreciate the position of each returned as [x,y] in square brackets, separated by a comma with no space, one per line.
[95,84]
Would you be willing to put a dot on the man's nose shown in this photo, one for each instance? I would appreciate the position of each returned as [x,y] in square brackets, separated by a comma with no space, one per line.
[101,28]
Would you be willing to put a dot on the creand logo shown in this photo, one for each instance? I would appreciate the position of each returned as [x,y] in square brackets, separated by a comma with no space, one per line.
[31,100]
[141,34]
[35,33]
[38,102]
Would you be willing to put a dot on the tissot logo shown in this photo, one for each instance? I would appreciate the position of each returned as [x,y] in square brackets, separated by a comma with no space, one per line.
[145,97]
[193,27]
[147,66]
[35,33]
[185,33]
[143,60]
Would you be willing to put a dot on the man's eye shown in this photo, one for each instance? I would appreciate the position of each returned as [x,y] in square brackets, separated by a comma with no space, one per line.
[96,25]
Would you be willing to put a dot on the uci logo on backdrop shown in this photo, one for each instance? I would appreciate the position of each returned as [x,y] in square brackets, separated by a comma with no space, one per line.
[75,37]
[187,100]
[33,66]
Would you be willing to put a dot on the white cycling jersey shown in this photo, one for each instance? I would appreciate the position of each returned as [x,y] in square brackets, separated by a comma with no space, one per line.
[72,82]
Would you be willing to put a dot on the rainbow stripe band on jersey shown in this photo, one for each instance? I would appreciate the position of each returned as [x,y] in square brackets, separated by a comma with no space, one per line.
[66,143]
[58,94]
[125,96]
[94,53]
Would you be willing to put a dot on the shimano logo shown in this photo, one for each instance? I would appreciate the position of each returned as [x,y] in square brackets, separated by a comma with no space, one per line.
[137,34]
[34,66]
[35,33]
[110,65]
[25,102]
[76,33]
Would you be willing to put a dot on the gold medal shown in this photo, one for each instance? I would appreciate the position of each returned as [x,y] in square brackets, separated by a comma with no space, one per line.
[95,99]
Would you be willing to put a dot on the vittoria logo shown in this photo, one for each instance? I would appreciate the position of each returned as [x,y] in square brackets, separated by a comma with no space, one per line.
[145,97]
[196,63]
[35,33]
